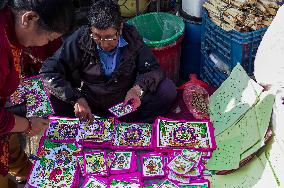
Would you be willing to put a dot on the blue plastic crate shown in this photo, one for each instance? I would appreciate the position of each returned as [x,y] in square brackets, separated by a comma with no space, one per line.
[231,46]
[211,73]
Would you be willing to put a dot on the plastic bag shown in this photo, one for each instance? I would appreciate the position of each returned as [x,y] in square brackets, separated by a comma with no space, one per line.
[196,97]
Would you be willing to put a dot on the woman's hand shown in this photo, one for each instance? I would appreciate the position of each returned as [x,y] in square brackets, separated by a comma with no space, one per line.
[31,126]
[133,96]
[38,125]
[82,110]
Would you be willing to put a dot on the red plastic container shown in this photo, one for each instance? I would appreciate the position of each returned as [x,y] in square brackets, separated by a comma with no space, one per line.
[169,58]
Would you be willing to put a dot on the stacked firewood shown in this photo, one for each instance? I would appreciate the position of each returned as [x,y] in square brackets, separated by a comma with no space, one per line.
[242,15]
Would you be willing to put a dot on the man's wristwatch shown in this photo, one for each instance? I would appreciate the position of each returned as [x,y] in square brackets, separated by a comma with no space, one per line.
[141,92]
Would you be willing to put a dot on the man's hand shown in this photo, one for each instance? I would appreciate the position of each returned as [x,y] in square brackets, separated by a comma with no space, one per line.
[82,110]
[133,96]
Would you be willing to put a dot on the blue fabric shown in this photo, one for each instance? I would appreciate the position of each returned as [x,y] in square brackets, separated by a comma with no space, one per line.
[110,60]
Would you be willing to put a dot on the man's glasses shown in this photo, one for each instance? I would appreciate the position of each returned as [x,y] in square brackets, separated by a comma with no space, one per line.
[107,39]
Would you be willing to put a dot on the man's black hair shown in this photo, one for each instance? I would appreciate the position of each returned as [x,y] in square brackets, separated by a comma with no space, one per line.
[105,14]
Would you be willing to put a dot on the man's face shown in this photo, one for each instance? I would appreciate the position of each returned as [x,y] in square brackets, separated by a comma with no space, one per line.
[107,39]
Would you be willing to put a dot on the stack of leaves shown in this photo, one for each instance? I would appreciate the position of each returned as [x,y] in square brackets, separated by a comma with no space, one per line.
[242,15]
[240,113]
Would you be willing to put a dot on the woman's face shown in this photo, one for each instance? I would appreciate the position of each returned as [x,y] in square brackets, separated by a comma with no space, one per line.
[29,33]
[38,38]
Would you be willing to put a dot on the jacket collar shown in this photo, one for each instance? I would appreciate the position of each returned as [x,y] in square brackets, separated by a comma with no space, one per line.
[86,43]
[121,43]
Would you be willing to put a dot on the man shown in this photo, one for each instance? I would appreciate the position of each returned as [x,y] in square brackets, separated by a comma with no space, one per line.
[103,64]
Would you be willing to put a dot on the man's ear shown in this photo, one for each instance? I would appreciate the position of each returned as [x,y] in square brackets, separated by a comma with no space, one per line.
[28,17]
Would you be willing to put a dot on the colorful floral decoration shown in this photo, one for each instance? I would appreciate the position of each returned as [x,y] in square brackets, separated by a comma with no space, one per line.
[178,178]
[124,162]
[180,166]
[186,165]
[185,134]
[18,97]
[38,102]
[153,165]
[133,135]
[192,155]
[95,163]
[33,92]
[56,167]
[95,182]
[101,130]
[81,163]
[120,109]
[132,180]
[110,158]
[63,129]
[168,184]
[196,184]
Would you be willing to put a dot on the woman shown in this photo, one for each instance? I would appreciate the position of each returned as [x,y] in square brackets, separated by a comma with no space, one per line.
[24,23]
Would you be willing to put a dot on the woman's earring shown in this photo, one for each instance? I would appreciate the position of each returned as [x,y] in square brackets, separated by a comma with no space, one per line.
[25,23]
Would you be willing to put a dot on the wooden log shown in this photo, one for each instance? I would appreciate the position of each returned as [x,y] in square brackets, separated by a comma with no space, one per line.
[261,7]
[242,15]
[271,11]
[269,4]
[234,12]
[219,3]
[211,8]
[266,23]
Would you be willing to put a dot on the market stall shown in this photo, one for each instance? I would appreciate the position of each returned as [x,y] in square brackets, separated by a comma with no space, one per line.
[220,137]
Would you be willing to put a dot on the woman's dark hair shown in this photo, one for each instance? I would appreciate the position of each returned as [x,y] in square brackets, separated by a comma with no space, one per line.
[54,15]
[105,14]
[3,3]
